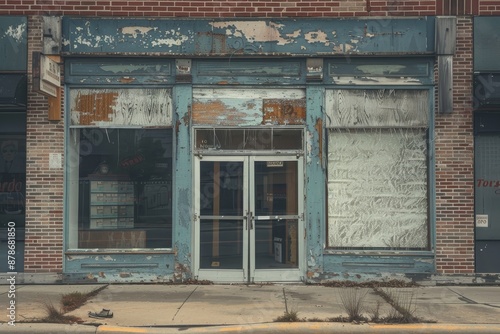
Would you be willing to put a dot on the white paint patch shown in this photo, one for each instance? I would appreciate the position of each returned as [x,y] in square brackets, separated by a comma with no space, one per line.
[343,48]
[108,258]
[16,32]
[134,31]
[309,140]
[317,37]
[255,31]
[295,34]
[77,257]
[83,41]
[55,160]
[169,41]
[244,93]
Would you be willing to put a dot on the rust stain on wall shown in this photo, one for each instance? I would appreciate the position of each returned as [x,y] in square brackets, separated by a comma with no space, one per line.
[282,112]
[319,129]
[216,112]
[206,112]
[95,107]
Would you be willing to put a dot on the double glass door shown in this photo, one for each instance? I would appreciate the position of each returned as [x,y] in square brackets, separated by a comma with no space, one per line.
[249,218]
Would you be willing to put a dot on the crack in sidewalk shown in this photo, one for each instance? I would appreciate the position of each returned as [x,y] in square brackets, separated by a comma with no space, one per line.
[470,301]
[184,302]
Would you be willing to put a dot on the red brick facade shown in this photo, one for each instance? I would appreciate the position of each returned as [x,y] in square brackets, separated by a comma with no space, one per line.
[453,132]
[44,186]
[454,166]
[223,8]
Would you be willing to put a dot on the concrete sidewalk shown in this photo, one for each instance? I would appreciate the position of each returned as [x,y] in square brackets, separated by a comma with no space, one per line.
[240,308]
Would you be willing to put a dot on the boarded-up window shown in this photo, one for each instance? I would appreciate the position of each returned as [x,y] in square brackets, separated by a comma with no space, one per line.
[121,107]
[377,169]
[248,107]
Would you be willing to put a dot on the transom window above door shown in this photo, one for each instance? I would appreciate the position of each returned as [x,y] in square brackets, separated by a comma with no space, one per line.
[275,139]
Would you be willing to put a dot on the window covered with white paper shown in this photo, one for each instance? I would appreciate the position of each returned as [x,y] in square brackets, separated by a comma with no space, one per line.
[377,169]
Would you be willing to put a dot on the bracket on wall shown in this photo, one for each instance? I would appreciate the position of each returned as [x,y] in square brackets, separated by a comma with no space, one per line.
[183,71]
[51,35]
[314,70]
[446,37]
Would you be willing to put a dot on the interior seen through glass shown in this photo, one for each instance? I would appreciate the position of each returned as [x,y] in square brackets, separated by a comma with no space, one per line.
[223,226]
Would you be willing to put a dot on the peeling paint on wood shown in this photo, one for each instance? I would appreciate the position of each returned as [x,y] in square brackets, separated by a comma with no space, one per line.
[248,107]
[311,37]
[13,43]
[254,31]
[115,107]
[284,112]
[319,129]
[377,107]
[381,71]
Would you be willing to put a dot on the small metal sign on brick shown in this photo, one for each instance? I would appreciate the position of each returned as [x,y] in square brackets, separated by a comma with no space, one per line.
[481,220]
[50,71]
[46,75]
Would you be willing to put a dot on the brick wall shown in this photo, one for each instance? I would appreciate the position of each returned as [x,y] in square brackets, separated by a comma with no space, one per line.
[222,8]
[489,7]
[454,166]
[44,186]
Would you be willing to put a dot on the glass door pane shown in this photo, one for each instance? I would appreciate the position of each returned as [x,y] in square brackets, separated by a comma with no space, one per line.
[276,214]
[221,215]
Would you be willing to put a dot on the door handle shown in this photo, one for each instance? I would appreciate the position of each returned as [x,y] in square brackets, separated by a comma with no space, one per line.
[249,218]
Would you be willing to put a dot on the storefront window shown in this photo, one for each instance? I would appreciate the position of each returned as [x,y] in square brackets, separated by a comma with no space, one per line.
[12,190]
[378,170]
[120,179]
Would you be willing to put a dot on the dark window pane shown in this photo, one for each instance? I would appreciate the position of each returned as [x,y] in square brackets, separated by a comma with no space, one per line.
[221,188]
[287,139]
[12,187]
[125,188]
[221,244]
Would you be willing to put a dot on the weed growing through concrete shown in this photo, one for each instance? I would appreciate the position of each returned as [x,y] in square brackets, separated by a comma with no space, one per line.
[72,301]
[375,312]
[289,316]
[352,301]
[69,302]
[401,297]
[57,316]
[403,302]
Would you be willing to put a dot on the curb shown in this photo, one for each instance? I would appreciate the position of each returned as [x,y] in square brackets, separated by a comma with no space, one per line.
[41,328]
[293,328]
[312,327]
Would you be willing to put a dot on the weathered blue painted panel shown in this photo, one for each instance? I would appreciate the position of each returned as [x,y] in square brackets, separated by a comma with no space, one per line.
[13,43]
[251,72]
[183,183]
[120,267]
[119,71]
[380,71]
[311,37]
[486,44]
[340,264]
[315,181]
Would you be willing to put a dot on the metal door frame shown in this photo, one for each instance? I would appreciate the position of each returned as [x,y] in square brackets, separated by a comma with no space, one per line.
[249,273]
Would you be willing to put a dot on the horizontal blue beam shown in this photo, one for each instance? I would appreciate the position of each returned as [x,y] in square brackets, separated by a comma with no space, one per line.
[249,37]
